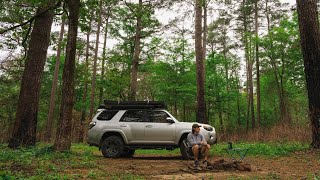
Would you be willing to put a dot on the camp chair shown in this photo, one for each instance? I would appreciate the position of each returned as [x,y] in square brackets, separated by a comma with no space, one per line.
[189,151]
[236,154]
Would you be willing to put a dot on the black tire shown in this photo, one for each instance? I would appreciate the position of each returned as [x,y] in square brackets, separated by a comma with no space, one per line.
[112,147]
[128,153]
[185,152]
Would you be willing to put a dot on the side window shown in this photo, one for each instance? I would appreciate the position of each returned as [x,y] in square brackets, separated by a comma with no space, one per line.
[107,115]
[133,116]
[157,116]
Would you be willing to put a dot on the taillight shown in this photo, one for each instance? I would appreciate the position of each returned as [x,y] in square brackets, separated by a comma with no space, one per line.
[92,124]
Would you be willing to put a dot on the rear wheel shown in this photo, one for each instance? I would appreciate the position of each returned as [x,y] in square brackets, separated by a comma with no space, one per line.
[112,147]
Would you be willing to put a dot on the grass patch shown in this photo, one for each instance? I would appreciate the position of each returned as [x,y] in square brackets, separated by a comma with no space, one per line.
[158,152]
[263,149]
[41,162]
[255,149]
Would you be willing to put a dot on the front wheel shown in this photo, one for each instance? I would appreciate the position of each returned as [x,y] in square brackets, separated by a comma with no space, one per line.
[112,147]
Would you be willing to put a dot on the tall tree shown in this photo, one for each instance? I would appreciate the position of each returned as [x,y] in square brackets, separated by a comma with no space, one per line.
[104,55]
[94,67]
[136,54]
[86,77]
[24,130]
[201,109]
[63,135]
[310,43]
[48,130]
[257,59]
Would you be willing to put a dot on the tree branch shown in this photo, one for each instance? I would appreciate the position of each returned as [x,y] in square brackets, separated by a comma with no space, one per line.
[32,18]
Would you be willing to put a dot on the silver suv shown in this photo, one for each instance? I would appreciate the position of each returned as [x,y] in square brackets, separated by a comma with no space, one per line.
[119,128]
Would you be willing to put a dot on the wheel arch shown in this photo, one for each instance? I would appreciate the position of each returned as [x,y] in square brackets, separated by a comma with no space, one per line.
[112,133]
[182,137]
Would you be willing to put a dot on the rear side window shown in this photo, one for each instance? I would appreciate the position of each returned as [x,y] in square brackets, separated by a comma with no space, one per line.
[157,116]
[107,115]
[133,116]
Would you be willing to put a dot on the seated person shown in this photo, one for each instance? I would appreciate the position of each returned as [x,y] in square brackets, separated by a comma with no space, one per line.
[198,142]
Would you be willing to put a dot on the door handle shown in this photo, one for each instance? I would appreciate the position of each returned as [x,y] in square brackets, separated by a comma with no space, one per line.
[123,125]
[148,126]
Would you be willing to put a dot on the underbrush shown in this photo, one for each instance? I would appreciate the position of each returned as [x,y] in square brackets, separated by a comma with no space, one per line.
[81,162]
[262,149]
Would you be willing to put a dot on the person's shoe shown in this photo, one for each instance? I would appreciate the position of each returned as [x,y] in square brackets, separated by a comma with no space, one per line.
[205,163]
[196,163]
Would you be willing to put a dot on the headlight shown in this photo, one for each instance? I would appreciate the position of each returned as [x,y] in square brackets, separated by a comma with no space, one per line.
[92,124]
[208,128]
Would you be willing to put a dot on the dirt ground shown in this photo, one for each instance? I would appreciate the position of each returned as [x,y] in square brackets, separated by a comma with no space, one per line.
[299,165]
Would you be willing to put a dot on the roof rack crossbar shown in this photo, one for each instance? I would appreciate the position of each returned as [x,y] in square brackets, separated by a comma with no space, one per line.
[134,104]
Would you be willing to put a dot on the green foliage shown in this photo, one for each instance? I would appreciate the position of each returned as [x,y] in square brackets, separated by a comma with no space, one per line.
[282,67]
[263,149]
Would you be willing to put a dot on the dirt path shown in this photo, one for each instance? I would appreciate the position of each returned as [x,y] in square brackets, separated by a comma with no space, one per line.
[300,165]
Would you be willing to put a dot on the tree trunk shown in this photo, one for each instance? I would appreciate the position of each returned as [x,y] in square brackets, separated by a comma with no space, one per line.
[63,135]
[246,54]
[250,72]
[226,67]
[48,131]
[205,31]
[24,131]
[238,103]
[136,54]
[85,90]
[104,56]
[257,62]
[310,43]
[201,110]
[94,68]
[220,114]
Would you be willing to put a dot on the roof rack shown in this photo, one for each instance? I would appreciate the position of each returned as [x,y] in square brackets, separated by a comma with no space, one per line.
[121,105]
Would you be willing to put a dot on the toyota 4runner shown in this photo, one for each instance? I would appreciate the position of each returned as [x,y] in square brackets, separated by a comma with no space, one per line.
[119,128]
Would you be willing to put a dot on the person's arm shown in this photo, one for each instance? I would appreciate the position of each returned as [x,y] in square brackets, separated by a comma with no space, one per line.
[203,140]
[191,140]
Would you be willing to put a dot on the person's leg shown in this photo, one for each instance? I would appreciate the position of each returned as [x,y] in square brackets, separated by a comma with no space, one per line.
[206,152]
[195,150]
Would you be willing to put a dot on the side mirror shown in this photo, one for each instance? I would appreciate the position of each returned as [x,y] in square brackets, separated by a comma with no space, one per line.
[170,120]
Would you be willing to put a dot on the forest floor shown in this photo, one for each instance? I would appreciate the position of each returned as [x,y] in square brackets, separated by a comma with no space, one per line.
[267,161]
[298,165]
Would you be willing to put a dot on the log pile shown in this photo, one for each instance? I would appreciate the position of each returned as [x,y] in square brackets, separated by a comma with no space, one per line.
[222,165]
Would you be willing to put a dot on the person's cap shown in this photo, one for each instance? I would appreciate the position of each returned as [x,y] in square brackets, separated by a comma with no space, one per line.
[195,126]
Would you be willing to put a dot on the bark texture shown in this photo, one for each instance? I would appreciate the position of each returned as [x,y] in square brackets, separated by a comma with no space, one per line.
[48,132]
[201,108]
[310,44]
[136,54]
[63,135]
[24,131]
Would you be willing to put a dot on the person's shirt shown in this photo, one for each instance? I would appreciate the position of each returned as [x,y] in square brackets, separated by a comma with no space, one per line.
[194,138]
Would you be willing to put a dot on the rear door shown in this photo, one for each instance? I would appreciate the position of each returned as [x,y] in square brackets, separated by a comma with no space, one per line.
[157,129]
[132,123]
